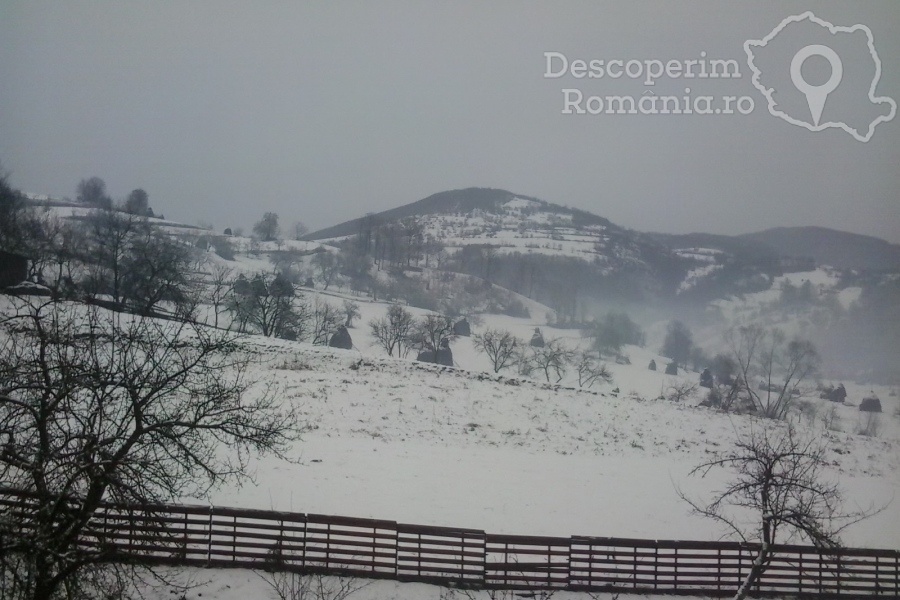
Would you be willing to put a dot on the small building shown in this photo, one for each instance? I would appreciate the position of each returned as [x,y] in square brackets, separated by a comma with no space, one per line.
[13,269]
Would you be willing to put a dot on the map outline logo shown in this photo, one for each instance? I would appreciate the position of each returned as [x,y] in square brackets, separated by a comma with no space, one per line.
[817,98]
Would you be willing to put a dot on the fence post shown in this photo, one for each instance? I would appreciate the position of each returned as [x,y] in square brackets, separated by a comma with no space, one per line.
[396,550]
[505,564]
[838,556]
[185,534]
[462,557]
[131,531]
[656,565]
[209,536]
[821,568]
[634,573]
[303,547]
[675,570]
[877,576]
[719,569]
[328,545]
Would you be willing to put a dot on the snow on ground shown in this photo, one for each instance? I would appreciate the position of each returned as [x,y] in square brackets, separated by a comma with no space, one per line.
[394,439]
[848,296]
[764,308]
[241,584]
[709,255]
[411,442]
[695,275]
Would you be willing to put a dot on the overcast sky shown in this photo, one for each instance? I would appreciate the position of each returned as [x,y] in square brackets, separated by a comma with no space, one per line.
[324,111]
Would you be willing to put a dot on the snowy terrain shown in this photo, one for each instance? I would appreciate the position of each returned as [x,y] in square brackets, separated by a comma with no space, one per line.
[410,442]
[394,439]
[422,443]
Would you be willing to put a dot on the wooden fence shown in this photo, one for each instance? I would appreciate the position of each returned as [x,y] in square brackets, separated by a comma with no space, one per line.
[231,537]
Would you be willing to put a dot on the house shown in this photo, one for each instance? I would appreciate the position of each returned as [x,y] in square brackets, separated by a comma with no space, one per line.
[13,269]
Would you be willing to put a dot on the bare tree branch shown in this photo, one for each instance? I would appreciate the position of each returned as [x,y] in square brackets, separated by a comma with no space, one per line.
[98,406]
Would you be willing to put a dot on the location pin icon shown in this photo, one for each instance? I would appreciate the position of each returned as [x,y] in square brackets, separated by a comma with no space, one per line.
[816,95]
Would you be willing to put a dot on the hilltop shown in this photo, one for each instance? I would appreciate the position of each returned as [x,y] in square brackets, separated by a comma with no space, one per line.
[838,249]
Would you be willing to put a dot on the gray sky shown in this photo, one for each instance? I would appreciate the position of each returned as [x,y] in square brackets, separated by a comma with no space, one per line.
[323,111]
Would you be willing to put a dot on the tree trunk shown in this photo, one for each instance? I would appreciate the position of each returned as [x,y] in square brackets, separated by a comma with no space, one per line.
[756,569]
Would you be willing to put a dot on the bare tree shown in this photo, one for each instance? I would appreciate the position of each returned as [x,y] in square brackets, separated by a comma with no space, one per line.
[351,312]
[138,203]
[780,480]
[613,331]
[223,246]
[678,343]
[680,391]
[267,228]
[288,263]
[778,366]
[392,332]
[315,586]
[155,269]
[299,230]
[53,246]
[93,193]
[355,266]
[100,406]
[219,285]
[325,321]
[590,371]
[327,266]
[269,305]
[500,346]
[552,359]
[431,331]
[110,234]
[11,208]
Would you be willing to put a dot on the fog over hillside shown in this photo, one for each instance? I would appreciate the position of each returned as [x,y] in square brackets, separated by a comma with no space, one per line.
[393,300]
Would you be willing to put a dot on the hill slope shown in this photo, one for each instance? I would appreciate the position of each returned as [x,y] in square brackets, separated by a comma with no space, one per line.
[450,202]
[838,249]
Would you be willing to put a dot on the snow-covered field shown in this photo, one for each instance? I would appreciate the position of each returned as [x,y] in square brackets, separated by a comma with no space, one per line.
[240,584]
[416,443]
[390,438]
[395,439]
[420,443]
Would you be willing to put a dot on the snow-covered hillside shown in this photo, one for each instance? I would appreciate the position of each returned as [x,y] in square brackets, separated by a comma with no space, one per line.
[461,446]
[412,442]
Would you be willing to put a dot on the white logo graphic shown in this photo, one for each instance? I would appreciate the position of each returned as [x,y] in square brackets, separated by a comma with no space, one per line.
[767,79]
[816,95]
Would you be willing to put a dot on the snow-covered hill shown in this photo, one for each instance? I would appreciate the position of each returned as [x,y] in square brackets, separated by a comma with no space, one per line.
[413,442]
[461,446]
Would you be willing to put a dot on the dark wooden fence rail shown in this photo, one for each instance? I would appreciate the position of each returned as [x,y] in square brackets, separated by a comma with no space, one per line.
[231,537]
